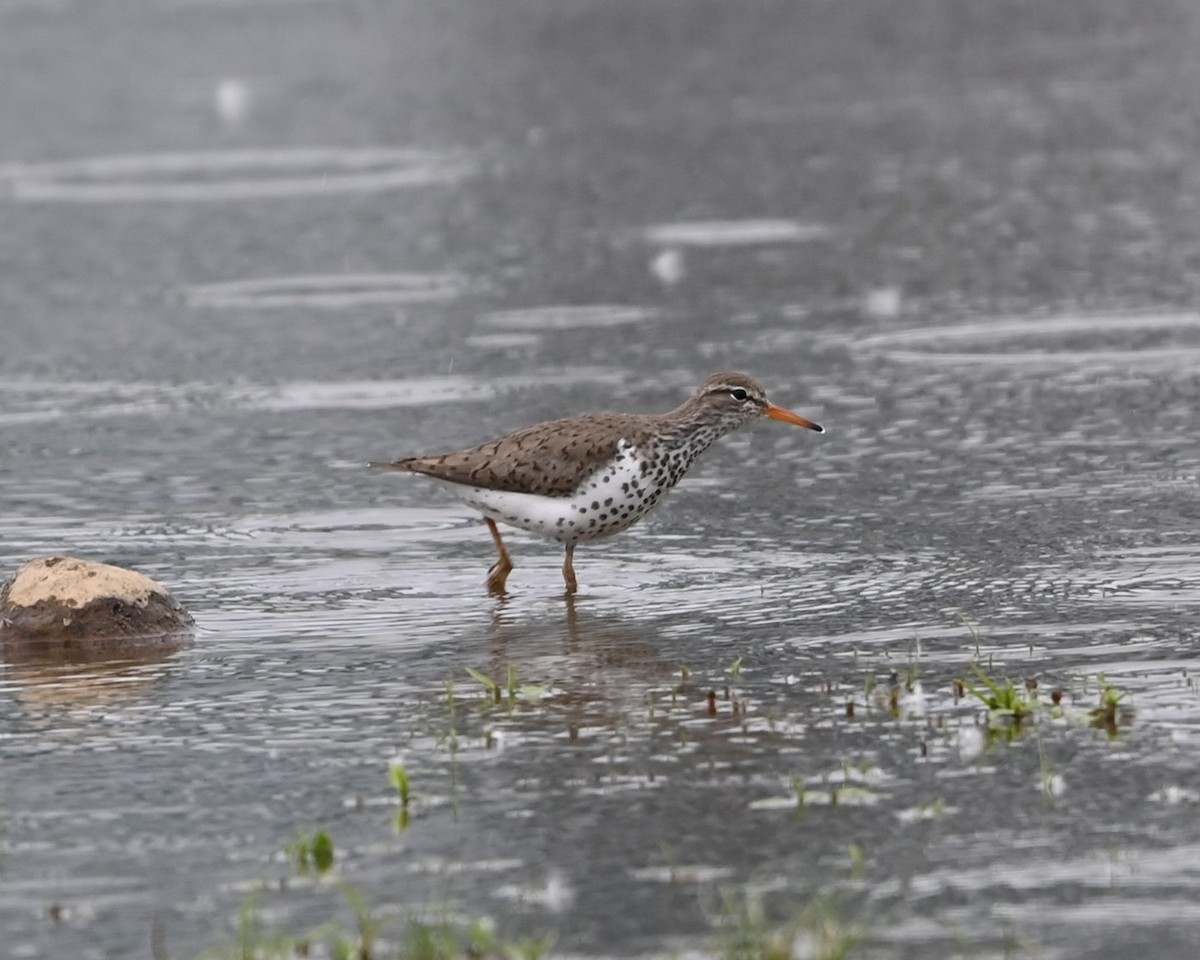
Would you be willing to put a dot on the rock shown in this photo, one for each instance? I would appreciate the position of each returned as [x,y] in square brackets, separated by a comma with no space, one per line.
[86,609]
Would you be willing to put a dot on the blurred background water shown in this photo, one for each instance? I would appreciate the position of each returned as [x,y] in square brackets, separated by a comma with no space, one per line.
[249,246]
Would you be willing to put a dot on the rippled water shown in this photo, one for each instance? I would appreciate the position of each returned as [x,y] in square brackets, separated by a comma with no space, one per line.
[963,242]
[237,175]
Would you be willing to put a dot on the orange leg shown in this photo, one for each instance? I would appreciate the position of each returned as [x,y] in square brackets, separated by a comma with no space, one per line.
[498,574]
[569,570]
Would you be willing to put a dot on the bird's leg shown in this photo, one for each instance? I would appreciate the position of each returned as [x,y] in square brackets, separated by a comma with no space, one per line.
[569,570]
[498,574]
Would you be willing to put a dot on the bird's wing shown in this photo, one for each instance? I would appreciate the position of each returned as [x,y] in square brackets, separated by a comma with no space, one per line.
[550,458]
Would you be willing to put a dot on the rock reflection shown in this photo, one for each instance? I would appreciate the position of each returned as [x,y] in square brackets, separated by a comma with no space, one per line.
[74,676]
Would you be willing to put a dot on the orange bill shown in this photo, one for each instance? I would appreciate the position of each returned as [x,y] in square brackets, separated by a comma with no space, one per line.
[778,413]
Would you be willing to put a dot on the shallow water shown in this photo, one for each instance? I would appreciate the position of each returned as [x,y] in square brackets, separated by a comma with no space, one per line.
[965,242]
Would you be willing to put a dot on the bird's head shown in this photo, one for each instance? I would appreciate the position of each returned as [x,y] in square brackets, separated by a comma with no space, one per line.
[735,399]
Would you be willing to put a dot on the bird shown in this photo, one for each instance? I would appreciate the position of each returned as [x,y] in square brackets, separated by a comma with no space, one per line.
[586,477]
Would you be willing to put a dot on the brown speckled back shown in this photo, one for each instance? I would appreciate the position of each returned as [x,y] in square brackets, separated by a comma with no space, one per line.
[550,458]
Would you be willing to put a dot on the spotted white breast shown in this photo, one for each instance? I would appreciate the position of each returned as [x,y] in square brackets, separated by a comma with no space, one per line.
[612,498]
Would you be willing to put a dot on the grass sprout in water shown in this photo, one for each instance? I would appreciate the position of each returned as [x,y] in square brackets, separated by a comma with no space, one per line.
[1006,702]
[447,941]
[1008,705]
[311,852]
[399,778]
[371,936]
[255,942]
[744,930]
[510,692]
[493,688]
[818,930]
[1112,710]
[1012,707]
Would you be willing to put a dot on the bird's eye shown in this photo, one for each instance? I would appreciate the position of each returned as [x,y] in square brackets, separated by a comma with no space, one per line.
[739,395]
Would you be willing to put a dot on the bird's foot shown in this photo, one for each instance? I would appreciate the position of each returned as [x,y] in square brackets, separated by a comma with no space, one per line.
[497,578]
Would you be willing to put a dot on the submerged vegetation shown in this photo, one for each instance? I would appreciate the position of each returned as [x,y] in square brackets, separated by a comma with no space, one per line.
[372,937]
[1008,704]
[747,924]
[398,776]
[311,852]
[1112,710]
[1011,707]
[354,930]
[509,693]
[744,930]
[367,934]
[818,931]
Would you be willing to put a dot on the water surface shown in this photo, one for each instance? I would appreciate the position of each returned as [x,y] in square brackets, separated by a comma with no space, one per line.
[962,238]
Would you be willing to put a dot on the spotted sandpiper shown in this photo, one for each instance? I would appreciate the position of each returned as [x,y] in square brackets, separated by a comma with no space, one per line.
[591,476]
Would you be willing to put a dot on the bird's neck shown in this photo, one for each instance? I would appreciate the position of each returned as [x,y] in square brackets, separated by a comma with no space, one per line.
[690,431]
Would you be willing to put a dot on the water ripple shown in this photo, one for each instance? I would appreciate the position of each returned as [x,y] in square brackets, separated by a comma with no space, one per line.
[991,329]
[586,317]
[733,233]
[328,291]
[231,175]
[1064,343]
